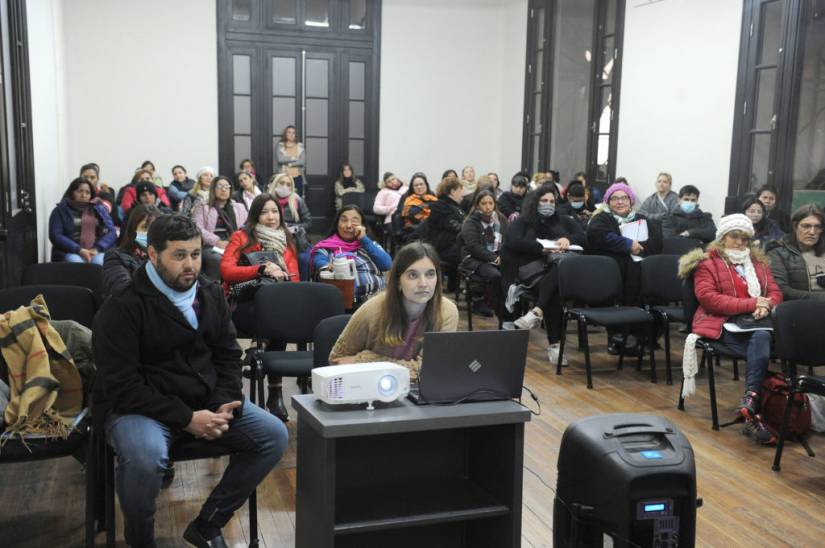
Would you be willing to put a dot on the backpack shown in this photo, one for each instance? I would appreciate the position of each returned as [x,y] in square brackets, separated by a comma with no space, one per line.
[773,400]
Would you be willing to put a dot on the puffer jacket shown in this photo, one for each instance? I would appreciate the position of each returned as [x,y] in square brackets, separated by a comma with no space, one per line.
[714,288]
[790,271]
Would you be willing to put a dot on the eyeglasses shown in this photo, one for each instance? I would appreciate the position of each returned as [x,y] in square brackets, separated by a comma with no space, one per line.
[619,199]
[810,228]
[223,187]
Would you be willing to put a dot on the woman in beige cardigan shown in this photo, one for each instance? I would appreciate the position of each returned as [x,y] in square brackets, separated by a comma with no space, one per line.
[391,325]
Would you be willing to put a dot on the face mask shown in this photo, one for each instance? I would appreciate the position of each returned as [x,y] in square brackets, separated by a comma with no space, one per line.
[577,205]
[142,239]
[688,207]
[546,210]
[282,191]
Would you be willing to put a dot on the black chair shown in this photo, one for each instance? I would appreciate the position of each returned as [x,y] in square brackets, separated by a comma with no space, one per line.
[662,292]
[364,201]
[326,334]
[187,449]
[798,339]
[711,352]
[80,443]
[679,245]
[595,281]
[288,313]
[62,273]
[65,302]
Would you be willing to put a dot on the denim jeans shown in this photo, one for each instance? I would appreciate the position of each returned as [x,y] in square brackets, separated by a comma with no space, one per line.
[142,446]
[75,258]
[756,345]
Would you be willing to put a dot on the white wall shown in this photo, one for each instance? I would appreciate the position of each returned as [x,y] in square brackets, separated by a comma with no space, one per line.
[51,167]
[677,97]
[452,86]
[142,84]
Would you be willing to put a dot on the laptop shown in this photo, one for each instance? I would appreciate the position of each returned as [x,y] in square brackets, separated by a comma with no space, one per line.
[468,366]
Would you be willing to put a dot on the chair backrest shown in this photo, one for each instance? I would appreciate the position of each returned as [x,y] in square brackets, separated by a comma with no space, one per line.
[65,302]
[290,311]
[589,279]
[798,333]
[679,245]
[364,201]
[689,301]
[660,279]
[326,334]
[63,273]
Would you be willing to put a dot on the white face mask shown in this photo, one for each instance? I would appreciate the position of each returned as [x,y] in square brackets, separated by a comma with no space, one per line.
[738,256]
[283,191]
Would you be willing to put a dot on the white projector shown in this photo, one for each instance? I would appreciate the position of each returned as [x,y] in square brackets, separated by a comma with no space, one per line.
[361,383]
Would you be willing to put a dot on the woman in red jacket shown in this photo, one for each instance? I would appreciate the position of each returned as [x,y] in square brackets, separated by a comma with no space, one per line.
[263,231]
[731,278]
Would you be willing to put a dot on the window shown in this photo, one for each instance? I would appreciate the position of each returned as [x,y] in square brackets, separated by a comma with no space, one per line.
[572,85]
[779,121]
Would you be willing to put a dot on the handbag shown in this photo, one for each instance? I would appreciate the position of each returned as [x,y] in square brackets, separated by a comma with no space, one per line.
[746,322]
[258,258]
[245,291]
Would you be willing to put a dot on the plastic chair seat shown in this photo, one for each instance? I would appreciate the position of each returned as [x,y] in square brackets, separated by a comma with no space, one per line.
[674,313]
[288,364]
[15,450]
[613,316]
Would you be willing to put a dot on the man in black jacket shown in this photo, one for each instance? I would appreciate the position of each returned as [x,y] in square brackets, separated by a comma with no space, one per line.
[687,219]
[168,369]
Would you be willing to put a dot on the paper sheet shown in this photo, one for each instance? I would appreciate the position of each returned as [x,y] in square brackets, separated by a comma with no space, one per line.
[636,231]
[551,244]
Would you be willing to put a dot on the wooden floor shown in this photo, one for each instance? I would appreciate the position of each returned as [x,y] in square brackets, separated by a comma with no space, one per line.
[745,503]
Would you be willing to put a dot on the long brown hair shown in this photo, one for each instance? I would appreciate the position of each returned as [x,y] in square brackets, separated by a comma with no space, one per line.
[136,216]
[255,209]
[393,315]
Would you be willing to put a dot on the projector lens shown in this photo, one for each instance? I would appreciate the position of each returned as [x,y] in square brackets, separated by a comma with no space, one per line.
[387,385]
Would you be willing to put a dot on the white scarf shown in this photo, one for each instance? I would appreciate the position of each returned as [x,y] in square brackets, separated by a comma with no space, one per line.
[741,258]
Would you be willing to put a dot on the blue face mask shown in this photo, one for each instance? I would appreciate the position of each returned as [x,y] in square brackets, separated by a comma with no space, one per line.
[577,205]
[688,207]
[142,239]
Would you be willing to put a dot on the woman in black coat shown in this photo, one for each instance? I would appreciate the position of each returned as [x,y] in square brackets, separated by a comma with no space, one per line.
[540,219]
[482,235]
[444,225]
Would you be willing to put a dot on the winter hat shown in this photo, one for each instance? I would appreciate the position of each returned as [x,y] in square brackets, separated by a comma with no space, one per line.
[205,169]
[143,186]
[736,221]
[620,186]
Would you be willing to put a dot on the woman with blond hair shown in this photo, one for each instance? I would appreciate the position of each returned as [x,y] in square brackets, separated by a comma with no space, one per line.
[661,202]
[297,217]
[199,194]
[290,154]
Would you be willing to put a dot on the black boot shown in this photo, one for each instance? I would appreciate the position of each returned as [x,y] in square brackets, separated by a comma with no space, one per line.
[275,400]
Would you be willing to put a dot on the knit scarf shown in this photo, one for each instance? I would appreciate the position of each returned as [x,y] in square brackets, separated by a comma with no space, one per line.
[622,220]
[88,223]
[273,239]
[182,300]
[335,244]
[347,182]
[203,195]
[741,259]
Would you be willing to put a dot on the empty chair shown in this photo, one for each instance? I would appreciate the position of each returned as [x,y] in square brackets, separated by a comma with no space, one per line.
[662,293]
[65,302]
[798,338]
[596,282]
[63,273]
[289,313]
[326,333]
[679,245]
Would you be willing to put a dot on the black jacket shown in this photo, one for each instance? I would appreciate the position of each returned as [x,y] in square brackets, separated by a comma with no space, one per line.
[443,227]
[118,268]
[521,247]
[151,362]
[509,203]
[605,238]
[698,224]
[582,216]
[474,250]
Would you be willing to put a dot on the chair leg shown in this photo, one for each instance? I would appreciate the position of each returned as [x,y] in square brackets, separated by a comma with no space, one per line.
[681,405]
[109,463]
[91,476]
[714,412]
[783,432]
[562,341]
[640,346]
[621,351]
[253,519]
[587,367]
[668,368]
[653,376]
[469,298]
[735,369]
[275,398]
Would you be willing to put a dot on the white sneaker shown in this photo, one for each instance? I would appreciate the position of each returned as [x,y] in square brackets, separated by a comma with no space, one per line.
[528,321]
[508,326]
[553,354]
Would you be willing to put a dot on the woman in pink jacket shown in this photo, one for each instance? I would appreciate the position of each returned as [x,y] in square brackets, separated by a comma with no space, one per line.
[386,201]
[217,220]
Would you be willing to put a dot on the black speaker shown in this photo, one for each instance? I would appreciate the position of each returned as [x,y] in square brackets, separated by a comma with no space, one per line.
[628,477]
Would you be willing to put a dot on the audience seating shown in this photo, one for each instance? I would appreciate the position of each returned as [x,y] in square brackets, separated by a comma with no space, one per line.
[65,302]
[661,291]
[595,281]
[182,450]
[711,352]
[798,340]
[364,201]
[80,444]
[62,273]
[679,245]
[288,313]
[325,336]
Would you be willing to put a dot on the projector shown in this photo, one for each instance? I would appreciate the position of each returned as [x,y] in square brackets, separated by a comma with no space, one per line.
[360,383]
